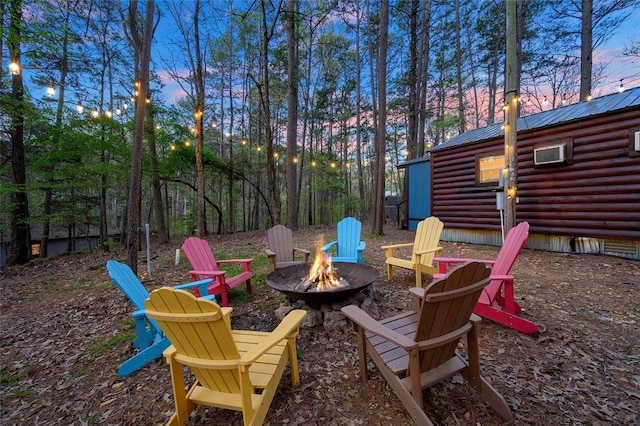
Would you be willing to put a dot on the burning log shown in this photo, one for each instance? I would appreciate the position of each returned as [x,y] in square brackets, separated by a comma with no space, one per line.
[321,275]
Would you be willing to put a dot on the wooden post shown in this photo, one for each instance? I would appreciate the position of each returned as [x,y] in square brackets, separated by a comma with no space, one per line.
[511,99]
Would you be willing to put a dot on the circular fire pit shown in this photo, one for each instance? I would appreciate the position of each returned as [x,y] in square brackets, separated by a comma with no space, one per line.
[356,275]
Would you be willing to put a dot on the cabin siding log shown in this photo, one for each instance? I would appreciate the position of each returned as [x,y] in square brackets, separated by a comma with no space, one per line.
[595,193]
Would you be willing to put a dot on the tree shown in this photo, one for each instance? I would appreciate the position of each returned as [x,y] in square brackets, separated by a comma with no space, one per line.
[20,230]
[381,134]
[292,116]
[140,39]
[586,52]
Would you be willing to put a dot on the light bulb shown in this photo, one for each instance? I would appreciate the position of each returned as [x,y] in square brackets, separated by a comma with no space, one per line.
[14,68]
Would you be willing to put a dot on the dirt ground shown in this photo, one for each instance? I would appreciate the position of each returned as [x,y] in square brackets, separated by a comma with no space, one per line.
[64,330]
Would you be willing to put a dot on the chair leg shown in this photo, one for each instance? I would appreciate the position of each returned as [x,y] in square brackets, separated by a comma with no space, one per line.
[389,272]
[182,405]
[293,360]
[143,357]
[505,318]
[249,287]
[225,298]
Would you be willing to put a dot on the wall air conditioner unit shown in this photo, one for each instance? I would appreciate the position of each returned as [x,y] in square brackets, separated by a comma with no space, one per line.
[551,154]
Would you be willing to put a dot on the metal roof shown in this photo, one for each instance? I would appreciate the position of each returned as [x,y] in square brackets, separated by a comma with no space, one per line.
[602,105]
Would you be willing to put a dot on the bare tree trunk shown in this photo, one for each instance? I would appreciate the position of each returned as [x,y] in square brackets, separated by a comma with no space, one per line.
[382,118]
[461,118]
[374,111]
[142,44]
[586,50]
[263,88]
[423,75]
[363,206]
[412,131]
[20,231]
[292,117]
[161,224]
[199,84]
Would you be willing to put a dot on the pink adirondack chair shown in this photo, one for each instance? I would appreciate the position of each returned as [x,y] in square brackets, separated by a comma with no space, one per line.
[497,301]
[205,265]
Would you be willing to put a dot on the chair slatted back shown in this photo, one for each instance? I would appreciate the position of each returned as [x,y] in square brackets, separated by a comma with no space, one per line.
[427,237]
[199,254]
[447,307]
[124,278]
[349,230]
[197,330]
[280,240]
[513,244]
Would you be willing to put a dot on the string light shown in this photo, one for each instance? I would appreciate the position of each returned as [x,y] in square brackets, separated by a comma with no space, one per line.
[14,68]
[80,108]
[621,87]
[51,91]
[545,101]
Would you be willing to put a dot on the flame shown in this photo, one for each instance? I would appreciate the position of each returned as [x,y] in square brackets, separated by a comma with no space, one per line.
[322,272]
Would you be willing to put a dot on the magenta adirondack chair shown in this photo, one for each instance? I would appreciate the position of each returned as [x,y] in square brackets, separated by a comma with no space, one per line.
[205,265]
[497,301]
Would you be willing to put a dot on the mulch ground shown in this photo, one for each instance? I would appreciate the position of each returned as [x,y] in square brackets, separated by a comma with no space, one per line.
[64,330]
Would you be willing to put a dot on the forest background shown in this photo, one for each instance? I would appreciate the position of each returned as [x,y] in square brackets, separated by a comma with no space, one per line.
[225,116]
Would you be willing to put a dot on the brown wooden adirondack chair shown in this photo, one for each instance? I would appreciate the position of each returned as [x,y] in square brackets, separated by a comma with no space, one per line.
[205,265]
[237,370]
[417,349]
[281,251]
[423,249]
[497,301]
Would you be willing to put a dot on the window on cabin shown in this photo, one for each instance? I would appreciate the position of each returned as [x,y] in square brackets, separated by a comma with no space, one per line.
[35,250]
[489,167]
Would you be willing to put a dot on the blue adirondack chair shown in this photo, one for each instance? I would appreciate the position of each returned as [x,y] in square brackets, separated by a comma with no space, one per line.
[150,340]
[348,247]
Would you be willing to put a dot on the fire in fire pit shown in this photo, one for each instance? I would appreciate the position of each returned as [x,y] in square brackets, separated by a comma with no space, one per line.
[322,276]
[311,283]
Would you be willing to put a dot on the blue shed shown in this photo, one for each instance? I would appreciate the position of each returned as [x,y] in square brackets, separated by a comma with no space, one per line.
[418,176]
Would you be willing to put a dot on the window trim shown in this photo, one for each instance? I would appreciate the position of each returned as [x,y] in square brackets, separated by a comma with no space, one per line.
[479,158]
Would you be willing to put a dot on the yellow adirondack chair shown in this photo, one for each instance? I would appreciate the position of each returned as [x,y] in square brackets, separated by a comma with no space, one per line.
[417,349]
[423,249]
[236,370]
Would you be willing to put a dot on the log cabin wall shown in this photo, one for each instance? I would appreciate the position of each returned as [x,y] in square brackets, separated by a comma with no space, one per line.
[589,203]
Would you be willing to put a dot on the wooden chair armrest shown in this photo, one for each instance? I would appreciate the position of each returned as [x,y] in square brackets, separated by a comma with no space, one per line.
[445,262]
[327,246]
[202,285]
[361,246]
[431,250]
[505,278]
[303,251]
[360,317]
[245,261]
[394,246]
[270,252]
[287,327]
[140,314]
[417,291]
[195,272]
